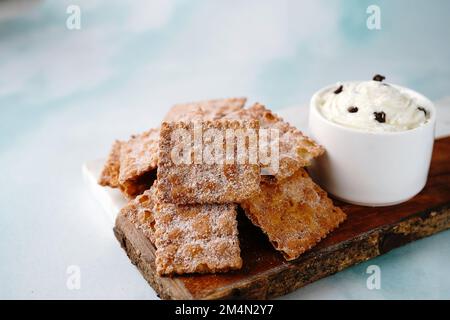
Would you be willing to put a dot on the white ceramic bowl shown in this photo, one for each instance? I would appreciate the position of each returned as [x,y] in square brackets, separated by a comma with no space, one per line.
[372,168]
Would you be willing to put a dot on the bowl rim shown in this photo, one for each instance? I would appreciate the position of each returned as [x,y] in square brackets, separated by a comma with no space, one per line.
[430,105]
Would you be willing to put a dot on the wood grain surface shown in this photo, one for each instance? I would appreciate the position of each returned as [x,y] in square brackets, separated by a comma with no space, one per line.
[367,233]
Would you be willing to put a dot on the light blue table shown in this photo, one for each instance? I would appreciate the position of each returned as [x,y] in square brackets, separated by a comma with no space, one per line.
[66,94]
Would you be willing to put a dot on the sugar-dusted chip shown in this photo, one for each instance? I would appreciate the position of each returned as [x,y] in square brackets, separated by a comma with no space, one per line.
[204,110]
[295,149]
[294,213]
[134,187]
[199,178]
[138,162]
[196,238]
[140,212]
[110,173]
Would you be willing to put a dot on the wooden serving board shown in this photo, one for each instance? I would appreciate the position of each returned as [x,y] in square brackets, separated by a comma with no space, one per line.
[367,233]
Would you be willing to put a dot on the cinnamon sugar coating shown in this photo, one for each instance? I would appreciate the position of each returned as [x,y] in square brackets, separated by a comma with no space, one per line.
[196,238]
[140,212]
[295,149]
[294,213]
[110,173]
[204,110]
[202,182]
[138,162]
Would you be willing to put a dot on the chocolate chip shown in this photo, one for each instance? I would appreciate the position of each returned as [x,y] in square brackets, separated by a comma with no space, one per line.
[423,110]
[379,78]
[338,90]
[380,116]
[352,109]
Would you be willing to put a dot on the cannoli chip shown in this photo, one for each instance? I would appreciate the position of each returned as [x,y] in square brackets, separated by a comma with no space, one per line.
[295,149]
[196,238]
[134,187]
[202,181]
[138,162]
[294,213]
[110,173]
[204,110]
[140,212]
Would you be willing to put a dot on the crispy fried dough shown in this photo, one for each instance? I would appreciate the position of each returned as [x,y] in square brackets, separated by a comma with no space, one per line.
[140,212]
[200,182]
[204,110]
[139,155]
[134,187]
[294,213]
[138,162]
[295,149]
[196,238]
[110,173]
